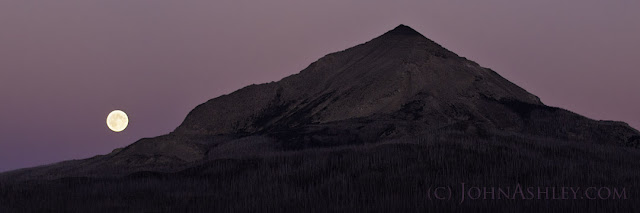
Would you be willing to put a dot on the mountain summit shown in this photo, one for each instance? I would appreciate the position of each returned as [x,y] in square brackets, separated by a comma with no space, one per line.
[398,85]
[404,30]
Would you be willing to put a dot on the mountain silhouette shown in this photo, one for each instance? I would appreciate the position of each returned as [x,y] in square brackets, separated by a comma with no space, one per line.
[403,81]
[400,86]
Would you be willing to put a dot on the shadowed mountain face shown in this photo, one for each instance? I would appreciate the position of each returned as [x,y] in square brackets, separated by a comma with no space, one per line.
[398,84]
[399,106]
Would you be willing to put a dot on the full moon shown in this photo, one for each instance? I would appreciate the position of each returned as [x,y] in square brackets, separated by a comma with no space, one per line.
[117,120]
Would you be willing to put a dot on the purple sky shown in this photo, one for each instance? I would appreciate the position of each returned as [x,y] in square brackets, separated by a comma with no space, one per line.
[65,64]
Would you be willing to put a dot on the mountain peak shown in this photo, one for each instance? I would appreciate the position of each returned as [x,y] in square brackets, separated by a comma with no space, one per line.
[404,30]
[380,77]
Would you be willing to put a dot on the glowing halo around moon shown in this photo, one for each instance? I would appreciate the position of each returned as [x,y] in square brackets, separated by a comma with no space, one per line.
[117,120]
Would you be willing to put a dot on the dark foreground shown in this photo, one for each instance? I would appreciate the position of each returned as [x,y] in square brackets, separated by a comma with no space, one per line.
[396,176]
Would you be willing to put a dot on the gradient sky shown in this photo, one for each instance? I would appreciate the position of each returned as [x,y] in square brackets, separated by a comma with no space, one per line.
[65,64]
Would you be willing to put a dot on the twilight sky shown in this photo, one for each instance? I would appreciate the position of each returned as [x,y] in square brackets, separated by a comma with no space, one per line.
[65,64]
